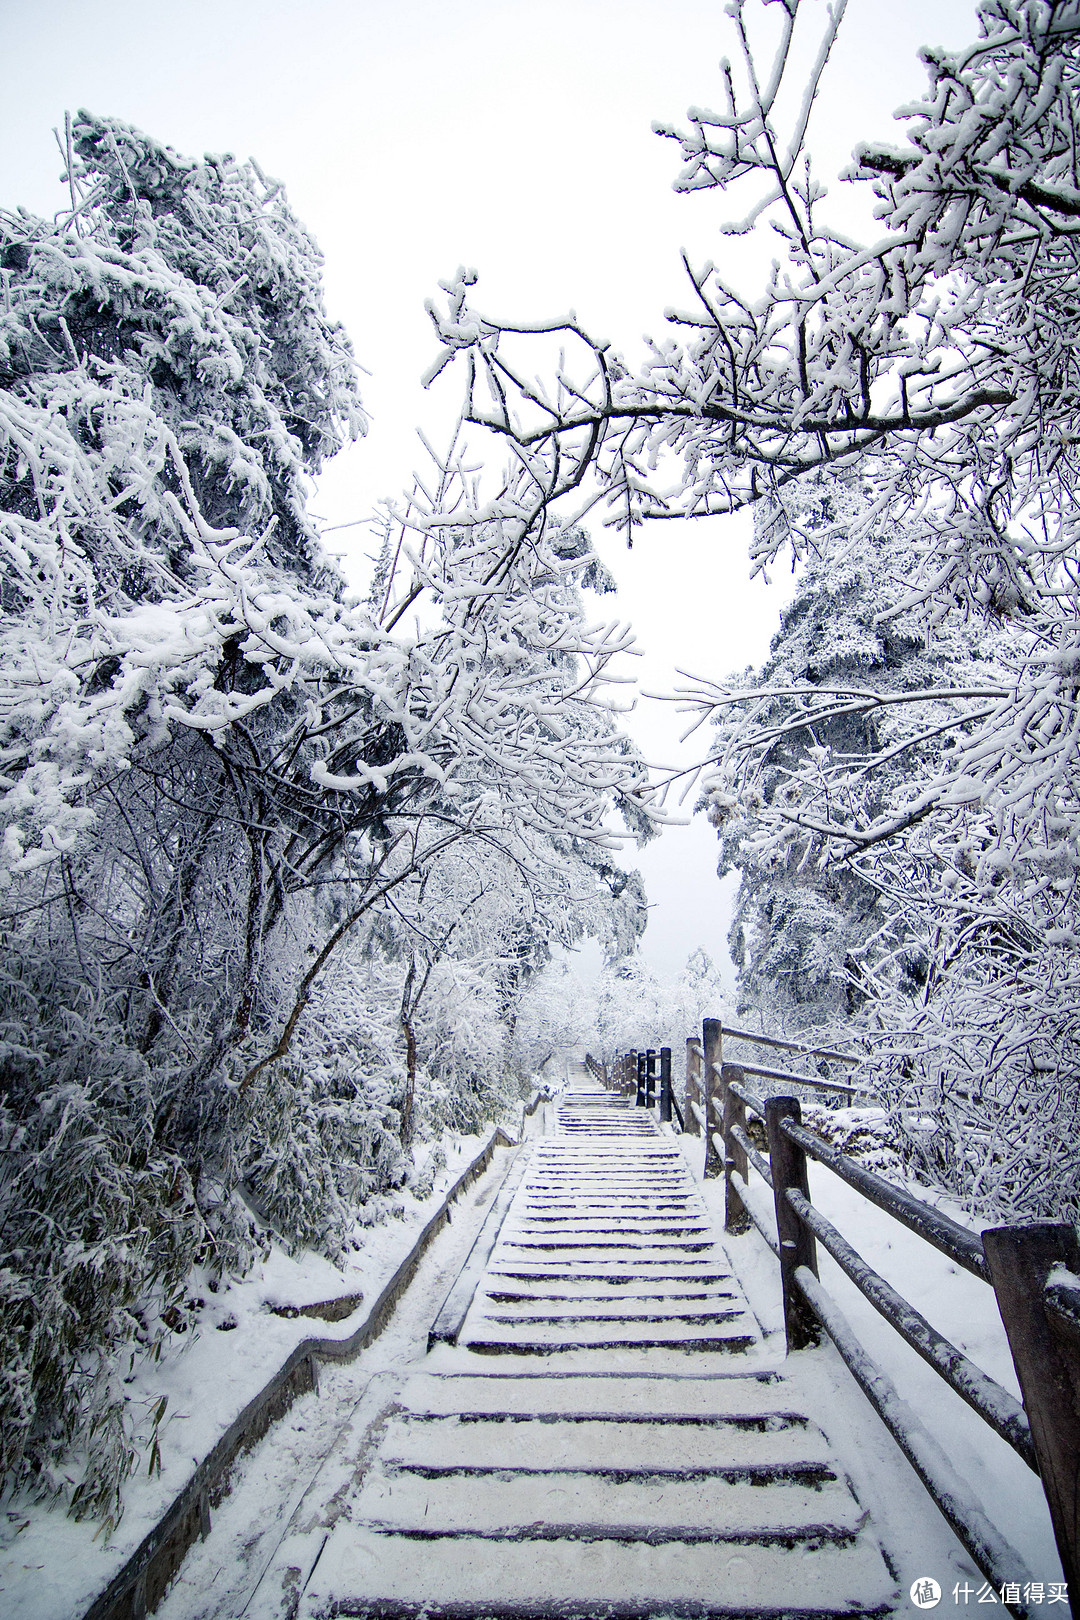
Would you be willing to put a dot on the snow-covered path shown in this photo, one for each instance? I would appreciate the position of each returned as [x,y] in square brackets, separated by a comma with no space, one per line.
[610,1431]
[607,1246]
[610,1435]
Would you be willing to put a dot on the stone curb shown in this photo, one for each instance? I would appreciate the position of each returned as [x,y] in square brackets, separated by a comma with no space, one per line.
[137,1589]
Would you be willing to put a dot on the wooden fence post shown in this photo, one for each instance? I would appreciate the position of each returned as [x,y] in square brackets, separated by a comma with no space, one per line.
[693,1084]
[665,1084]
[1047,1362]
[712,1057]
[735,1217]
[798,1246]
[639,1078]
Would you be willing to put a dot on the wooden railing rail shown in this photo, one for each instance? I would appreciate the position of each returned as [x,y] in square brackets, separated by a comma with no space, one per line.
[999,1562]
[597,1070]
[756,1104]
[945,1234]
[1034,1271]
[792,1046]
[809,1306]
[993,1403]
[786,1078]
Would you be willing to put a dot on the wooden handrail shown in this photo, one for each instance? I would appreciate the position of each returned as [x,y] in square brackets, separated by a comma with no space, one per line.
[756,1105]
[760,1164]
[945,1234]
[814,1081]
[792,1046]
[1034,1270]
[807,1303]
[984,1394]
[993,1555]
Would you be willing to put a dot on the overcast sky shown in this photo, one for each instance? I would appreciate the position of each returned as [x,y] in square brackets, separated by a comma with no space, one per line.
[509,135]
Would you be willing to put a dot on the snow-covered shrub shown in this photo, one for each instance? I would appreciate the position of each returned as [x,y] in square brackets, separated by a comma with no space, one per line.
[864,1134]
[996,1128]
[102,1217]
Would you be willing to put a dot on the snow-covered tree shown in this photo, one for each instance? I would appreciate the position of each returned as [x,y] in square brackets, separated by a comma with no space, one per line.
[936,364]
[816,939]
[222,770]
[638,1007]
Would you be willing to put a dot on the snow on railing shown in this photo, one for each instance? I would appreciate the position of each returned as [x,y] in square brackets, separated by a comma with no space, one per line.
[1034,1270]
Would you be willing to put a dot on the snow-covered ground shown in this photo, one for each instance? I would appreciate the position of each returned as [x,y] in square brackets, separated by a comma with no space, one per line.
[51,1568]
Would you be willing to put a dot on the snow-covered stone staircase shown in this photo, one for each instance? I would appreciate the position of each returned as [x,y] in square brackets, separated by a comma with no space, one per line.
[609,1437]
[607,1246]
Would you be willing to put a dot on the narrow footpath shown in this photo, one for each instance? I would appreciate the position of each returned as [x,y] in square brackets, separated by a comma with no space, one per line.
[603,1439]
[574,1413]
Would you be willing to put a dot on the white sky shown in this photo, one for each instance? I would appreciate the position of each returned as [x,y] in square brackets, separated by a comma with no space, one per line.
[509,135]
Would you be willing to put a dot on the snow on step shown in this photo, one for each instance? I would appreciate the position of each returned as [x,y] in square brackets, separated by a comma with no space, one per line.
[599,1494]
[578,1507]
[621,1214]
[744,1397]
[607,1446]
[545,1308]
[372,1574]
[644,1482]
[574,1290]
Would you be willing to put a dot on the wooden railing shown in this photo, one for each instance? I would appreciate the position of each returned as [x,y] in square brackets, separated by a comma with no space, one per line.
[1034,1270]
[597,1070]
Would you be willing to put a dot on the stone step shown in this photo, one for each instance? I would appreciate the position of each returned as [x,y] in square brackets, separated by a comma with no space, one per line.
[365,1573]
[562,1291]
[557,1249]
[489,1338]
[609,1311]
[749,1398]
[594,1507]
[774,1446]
[525,1266]
[564,1207]
[681,1231]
